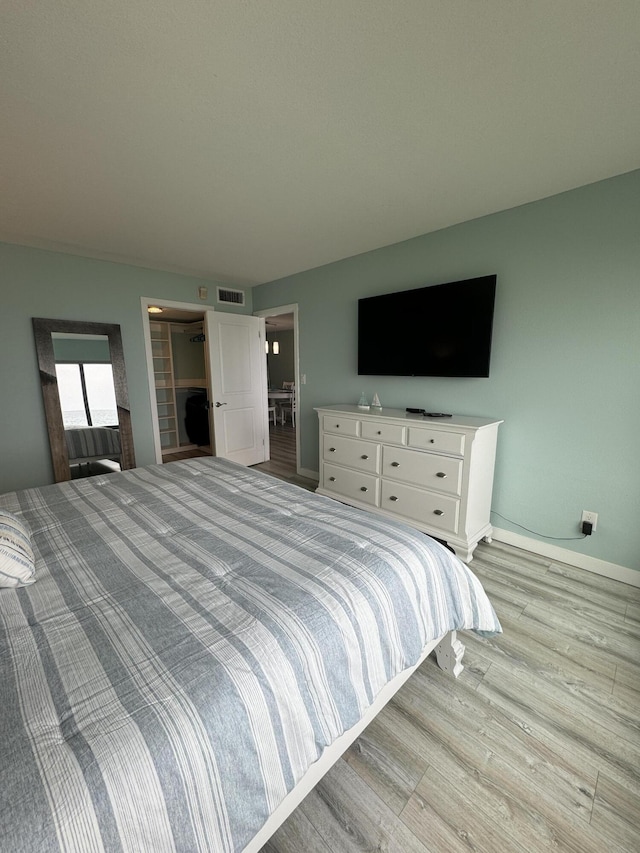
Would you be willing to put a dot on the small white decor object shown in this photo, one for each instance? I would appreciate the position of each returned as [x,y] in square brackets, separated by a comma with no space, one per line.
[16,555]
[375,403]
[362,402]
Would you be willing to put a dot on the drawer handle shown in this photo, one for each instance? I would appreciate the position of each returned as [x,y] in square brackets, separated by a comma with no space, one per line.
[332,479]
[395,464]
[332,450]
[393,498]
[432,441]
[438,512]
[364,489]
[441,474]
[364,456]
[337,426]
[379,432]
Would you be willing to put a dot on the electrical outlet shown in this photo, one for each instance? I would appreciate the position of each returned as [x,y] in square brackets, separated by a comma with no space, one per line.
[591,517]
[303,378]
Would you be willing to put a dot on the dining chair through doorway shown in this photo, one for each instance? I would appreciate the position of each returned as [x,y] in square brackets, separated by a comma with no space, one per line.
[288,405]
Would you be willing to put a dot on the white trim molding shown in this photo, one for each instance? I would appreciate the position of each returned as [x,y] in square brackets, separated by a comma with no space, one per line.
[145,302]
[292,308]
[572,558]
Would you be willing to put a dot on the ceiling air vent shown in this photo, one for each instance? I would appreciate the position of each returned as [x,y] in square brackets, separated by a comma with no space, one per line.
[234,296]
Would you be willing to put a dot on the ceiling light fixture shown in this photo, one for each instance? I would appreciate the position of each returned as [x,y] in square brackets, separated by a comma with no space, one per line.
[154,309]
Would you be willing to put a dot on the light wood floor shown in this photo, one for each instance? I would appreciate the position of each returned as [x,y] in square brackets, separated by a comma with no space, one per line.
[535,747]
[185,454]
[282,464]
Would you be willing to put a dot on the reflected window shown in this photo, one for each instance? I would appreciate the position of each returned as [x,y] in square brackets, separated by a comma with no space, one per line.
[87,394]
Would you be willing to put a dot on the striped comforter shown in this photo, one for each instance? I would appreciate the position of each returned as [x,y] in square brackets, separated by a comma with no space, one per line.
[92,443]
[198,633]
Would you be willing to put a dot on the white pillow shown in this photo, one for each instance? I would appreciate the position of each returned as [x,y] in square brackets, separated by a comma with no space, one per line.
[16,554]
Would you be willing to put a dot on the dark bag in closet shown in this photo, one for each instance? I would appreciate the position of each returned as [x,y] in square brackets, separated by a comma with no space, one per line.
[196,420]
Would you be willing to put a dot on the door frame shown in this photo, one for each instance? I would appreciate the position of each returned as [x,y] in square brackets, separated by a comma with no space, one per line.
[274,312]
[164,303]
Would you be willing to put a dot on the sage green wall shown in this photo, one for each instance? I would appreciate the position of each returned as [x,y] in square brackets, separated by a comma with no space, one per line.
[35,283]
[565,371]
[188,356]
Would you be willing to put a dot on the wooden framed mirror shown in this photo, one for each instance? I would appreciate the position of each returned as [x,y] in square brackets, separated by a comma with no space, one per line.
[98,435]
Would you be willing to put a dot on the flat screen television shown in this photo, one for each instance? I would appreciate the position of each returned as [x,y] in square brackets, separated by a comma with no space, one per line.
[442,330]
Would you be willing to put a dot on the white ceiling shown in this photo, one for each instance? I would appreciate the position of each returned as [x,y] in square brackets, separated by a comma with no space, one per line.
[244,141]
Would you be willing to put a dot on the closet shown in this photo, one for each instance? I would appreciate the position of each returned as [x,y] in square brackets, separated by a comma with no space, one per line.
[180,377]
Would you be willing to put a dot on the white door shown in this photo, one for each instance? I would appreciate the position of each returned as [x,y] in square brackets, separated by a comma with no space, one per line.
[237,366]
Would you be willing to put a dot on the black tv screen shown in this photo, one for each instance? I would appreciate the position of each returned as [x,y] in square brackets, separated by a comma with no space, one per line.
[442,330]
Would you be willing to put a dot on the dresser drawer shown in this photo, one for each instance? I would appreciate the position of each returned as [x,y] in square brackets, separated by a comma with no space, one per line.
[437,440]
[427,508]
[440,473]
[363,455]
[352,484]
[340,425]
[384,432]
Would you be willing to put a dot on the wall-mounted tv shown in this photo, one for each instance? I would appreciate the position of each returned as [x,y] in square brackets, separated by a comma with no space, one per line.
[442,330]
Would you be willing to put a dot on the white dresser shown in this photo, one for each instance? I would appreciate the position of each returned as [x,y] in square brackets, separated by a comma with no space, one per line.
[435,474]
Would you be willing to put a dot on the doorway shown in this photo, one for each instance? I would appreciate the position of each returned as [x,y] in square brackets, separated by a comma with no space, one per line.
[181,383]
[283,382]
[231,365]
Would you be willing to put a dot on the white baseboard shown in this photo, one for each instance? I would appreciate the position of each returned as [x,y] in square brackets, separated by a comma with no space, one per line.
[564,555]
[309,474]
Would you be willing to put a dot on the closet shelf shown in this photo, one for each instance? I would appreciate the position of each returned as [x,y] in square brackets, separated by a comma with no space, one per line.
[164,382]
[171,390]
[190,383]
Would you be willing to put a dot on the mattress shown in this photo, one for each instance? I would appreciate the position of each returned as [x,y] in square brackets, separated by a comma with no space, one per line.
[197,635]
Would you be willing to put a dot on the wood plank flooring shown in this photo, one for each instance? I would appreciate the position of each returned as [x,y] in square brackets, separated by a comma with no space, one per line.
[535,747]
[282,464]
[185,454]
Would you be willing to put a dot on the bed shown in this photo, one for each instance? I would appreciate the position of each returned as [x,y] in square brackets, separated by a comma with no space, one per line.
[92,444]
[201,643]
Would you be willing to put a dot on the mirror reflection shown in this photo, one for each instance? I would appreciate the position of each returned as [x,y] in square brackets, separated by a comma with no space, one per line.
[87,394]
[86,403]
